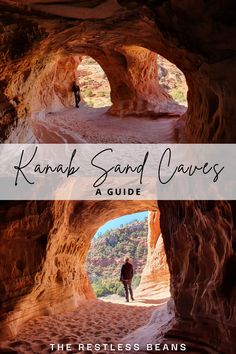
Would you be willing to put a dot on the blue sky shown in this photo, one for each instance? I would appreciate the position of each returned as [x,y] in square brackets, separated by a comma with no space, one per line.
[113,224]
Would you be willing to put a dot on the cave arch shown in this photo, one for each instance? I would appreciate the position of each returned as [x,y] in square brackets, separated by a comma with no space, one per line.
[135,92]
[45,86]
[62,266]
[131,71]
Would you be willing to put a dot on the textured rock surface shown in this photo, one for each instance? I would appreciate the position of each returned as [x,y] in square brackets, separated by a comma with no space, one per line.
[52,88]
[135,89]
[156,273]
[44,248]
[24,231]
[8,116]
[200,248]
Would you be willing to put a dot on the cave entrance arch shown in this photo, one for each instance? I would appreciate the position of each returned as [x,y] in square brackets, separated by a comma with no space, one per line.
[94,85]
[62,268]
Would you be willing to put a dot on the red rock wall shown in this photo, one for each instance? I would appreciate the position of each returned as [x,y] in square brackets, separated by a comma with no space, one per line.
[52,88]
[136,89]
[198,238]
[155,276]
[24,230]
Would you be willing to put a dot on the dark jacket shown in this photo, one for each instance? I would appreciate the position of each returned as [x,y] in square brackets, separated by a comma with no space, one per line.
[75,88]
[127,271]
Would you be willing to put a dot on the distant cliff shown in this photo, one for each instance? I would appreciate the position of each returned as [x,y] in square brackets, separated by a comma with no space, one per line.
[107,254]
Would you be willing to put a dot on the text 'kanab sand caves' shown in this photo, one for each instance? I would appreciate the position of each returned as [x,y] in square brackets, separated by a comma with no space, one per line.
[44,244]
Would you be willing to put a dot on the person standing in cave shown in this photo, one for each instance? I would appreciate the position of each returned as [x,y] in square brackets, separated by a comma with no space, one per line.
[126,277]
[76,90]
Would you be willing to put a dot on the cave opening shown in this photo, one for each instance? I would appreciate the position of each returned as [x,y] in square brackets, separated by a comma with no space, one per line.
[136,236]
[173,81]
[94,85]
[61,283]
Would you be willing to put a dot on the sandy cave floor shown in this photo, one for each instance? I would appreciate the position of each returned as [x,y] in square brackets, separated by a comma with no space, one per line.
[94,321]
[90,125]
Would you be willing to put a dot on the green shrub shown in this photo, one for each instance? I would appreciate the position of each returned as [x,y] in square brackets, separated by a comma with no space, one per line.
[88,92]
[106,287]
[109,287]
[136,281]
[120,290]
[99,290]
[103,94]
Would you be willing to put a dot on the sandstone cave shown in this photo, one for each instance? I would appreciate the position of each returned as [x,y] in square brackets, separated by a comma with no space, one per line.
[40,240]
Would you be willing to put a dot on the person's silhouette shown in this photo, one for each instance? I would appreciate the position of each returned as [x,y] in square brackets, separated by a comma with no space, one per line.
[126,277]
[76,90]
